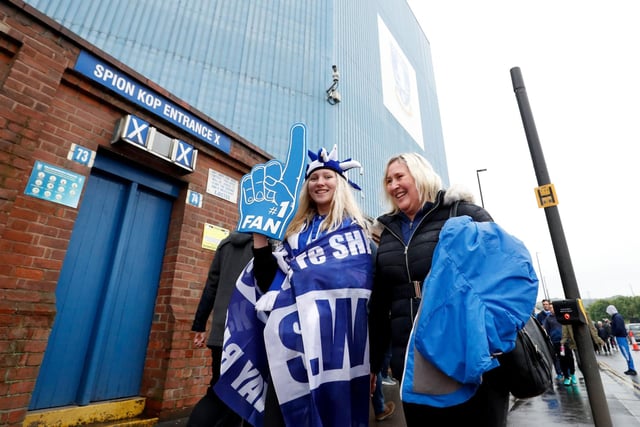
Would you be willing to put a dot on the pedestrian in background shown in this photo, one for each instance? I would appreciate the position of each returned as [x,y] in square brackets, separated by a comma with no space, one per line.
[542,314]
[562,358]
[619,331]
[612,339]
[385,371]
[569,345]
[381,409]
[604,335]
[232,255]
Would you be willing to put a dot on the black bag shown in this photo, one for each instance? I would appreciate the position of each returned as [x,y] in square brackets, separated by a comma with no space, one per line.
[529,367]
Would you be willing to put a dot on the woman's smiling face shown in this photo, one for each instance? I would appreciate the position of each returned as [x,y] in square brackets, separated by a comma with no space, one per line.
[322,187]
[401,186]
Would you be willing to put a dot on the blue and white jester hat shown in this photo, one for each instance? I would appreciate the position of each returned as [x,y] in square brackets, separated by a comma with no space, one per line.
[325,160]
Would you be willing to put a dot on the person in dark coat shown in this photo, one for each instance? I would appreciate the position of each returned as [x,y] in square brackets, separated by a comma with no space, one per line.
[612,339]
[563,356]
[410,232]
[232,255]
[604,334]
[619,330]
[542,314]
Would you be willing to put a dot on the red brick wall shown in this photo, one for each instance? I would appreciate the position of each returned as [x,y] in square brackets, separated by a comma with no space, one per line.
[44,108]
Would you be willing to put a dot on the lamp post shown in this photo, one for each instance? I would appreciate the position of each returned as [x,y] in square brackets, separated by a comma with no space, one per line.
[479,185]
[544,285]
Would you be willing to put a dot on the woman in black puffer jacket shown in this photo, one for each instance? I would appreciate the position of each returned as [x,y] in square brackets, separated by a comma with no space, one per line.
[408,237]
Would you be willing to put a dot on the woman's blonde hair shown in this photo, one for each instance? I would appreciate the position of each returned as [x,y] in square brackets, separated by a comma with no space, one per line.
[342,206]
[428,182]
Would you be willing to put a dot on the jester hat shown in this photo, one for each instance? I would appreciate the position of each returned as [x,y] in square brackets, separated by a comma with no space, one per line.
[326,160]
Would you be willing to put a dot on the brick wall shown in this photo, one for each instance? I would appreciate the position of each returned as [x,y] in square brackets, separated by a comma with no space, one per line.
[44,108]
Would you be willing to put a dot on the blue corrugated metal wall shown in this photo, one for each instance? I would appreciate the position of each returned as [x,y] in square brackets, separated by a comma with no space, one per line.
[371,130]
[258,66]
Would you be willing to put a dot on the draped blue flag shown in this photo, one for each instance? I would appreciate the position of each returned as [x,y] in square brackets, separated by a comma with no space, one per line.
[244,372]
[316,330]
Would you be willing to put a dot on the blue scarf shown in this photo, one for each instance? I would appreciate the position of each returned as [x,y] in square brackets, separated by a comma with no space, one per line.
[315,324]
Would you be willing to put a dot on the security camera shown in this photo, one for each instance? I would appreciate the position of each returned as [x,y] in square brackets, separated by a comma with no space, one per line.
[334,97]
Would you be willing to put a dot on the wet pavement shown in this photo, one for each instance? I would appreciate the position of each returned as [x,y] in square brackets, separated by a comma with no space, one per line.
[560,406]
[569,405]
[565,405]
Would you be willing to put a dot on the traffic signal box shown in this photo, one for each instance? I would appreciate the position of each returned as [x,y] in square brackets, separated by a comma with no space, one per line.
[570,311]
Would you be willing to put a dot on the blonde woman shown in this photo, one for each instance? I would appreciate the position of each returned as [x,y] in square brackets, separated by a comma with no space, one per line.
[419,208]
[316,290]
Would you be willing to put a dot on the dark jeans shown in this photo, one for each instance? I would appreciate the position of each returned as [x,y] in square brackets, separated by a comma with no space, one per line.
[487,408]
[556,358]
[385,363]
[377,400]
[566,362]
[210,411]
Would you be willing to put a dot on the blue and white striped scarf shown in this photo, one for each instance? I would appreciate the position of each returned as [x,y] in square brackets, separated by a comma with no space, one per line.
[314,320]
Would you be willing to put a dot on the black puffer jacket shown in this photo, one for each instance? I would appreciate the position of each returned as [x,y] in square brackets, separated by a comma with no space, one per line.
[393,304]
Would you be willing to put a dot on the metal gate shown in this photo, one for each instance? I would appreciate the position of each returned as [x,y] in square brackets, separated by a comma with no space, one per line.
[107,289]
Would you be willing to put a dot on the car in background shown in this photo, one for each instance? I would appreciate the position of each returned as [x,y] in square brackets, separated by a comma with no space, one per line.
[635,328]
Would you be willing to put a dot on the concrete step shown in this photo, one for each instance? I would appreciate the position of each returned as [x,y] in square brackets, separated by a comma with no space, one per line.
[132,422]
[112,413]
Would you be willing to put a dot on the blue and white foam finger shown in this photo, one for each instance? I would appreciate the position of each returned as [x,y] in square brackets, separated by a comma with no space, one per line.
[293,173]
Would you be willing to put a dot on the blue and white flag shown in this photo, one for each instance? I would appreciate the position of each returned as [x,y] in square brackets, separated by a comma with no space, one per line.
[317,335]
[243,368]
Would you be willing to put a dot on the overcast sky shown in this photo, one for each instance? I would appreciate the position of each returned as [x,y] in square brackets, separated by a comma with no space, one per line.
[580,61]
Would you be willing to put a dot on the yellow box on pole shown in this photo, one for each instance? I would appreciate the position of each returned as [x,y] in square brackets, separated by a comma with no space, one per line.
[546,196]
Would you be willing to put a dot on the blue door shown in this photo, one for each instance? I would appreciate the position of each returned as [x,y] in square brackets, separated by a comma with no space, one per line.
[107,289]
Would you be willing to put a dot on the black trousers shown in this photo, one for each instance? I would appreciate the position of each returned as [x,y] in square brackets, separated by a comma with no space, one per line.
[272,413]
[487,408]
[210,411]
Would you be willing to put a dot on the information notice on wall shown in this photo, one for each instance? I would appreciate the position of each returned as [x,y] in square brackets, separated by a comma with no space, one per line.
[212,236]
[222,186]
[55,184]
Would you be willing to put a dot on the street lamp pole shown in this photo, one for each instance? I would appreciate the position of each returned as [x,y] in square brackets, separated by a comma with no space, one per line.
[544,285]
[479,185]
